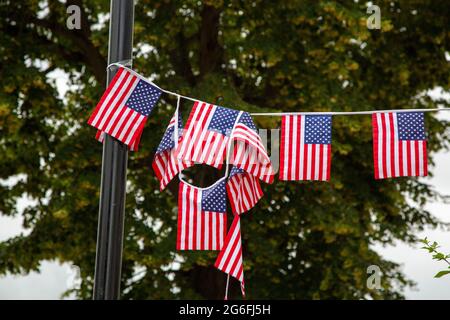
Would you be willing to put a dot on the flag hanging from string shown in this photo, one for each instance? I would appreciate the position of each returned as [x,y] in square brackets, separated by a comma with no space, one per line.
[208,129]
[202,217]
[230,257]
[166,164]
[399,144]
[125,106]
[208,132]
[305,147]
[249,152]
[243,189]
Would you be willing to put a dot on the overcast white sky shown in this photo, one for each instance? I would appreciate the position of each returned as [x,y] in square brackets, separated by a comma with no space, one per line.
[55,278]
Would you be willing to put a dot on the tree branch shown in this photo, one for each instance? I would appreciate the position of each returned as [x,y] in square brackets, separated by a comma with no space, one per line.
[80,39]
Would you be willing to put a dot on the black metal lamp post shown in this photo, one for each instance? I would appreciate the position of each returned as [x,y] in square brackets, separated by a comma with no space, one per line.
[114,169]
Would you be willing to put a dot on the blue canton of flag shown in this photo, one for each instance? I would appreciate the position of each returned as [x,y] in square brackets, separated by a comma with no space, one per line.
[214,198]
[144,98]
[318,129]
[246,119]
[168,140]
[223,120]
[235,170]
[411,126]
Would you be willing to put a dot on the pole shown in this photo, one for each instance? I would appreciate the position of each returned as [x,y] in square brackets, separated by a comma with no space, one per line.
[108,262]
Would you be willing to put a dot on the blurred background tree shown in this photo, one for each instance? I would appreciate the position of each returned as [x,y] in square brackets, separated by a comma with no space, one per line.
[303,240]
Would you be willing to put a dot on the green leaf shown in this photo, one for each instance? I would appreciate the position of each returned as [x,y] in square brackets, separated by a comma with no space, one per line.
[442,273]
[439,256]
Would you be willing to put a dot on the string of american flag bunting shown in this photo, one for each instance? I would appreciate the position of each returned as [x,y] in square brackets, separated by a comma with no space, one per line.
[214,135]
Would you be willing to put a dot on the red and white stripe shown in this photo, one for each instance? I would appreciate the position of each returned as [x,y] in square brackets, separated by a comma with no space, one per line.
[112,116]
[230,257]
[100,137]
[166,166]
[298,160]
[393,157]
[197,229]
[250,155]
[199,144]
[244,191]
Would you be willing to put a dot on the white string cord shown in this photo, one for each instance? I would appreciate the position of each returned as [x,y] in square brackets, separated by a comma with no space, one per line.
[226,288]
[279,114]
[175,129]
[121,63]
[152,83]
[346,113]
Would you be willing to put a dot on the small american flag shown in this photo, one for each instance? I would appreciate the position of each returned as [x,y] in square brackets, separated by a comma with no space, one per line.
[207,132]
[244,190]
[249,152]
[202,217]
[165,164]
[230,257]
[399,144]
[305,151]
[125,106]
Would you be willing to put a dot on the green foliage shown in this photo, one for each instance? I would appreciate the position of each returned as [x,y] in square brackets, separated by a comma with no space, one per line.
[303,240]
[439,256]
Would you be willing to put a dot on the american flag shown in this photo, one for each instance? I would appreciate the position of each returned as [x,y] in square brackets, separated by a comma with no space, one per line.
[230,257]
[244,190]
[305,151]
[202,217]
[207,132]
[399,144]
[165,164]
[125,106]
[249,152]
